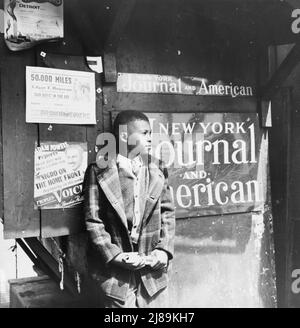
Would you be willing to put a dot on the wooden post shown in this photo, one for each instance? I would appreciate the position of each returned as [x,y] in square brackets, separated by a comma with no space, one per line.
[119,24]
[281,74]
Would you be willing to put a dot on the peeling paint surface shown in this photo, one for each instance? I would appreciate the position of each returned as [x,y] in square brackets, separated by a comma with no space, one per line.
[223,262]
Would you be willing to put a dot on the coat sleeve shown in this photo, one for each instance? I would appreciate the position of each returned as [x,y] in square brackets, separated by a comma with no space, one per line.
[98,236]
[167,233]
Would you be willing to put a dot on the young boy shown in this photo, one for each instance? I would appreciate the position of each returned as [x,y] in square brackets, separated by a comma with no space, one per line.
[130,219]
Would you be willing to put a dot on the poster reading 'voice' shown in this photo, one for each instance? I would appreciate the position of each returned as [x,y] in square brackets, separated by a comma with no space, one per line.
[60,96]
[215,161]
[27,22]
[58,174]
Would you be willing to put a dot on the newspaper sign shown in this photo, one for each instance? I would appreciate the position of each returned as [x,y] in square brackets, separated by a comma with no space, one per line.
[186,85]
[214,161]
[58,174]
[60,96]
[28,22]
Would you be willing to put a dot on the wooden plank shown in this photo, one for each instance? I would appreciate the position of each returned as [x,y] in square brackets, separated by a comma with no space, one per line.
[21,220]
[293,3]
[81,22]
[120,21]
[281,74]
[40,292]
[48,260]
[294,153]
[293,279]
[38,264]
[109,98]
[179,103]
[1,144]
[1,155]
[110,67]
[92,132]
[280,185]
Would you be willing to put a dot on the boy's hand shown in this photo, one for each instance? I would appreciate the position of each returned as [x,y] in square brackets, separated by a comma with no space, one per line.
[131,261]
[160,259]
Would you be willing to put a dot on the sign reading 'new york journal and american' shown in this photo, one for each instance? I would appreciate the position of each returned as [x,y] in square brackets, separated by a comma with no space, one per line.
[187,85]
[216,161]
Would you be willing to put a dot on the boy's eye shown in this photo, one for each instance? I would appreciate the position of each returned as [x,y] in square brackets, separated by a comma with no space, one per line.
[146,132]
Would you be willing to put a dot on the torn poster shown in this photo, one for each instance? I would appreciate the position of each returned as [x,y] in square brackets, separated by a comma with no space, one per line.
[27,22]
[58,174]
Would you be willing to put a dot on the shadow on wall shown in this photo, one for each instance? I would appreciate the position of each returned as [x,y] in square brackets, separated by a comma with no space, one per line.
[224,234]
[218,262]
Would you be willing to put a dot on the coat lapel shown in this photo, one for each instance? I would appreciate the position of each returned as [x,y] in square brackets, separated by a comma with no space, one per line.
[110,183]
[156,183]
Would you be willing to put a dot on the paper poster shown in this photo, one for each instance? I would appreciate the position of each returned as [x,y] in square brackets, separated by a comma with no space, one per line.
[60,96]
[186,85]
[213,159]
[58,174]
[27,22]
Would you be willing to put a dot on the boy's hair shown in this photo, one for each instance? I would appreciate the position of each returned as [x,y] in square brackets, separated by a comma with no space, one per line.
[127,116]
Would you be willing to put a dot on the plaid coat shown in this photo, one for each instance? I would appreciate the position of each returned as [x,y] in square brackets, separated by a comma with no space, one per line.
[106,224]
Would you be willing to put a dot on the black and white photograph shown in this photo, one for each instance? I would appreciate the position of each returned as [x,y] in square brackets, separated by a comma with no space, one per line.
[149,156]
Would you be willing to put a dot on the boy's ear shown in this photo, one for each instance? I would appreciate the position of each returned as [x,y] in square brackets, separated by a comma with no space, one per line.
[124,136]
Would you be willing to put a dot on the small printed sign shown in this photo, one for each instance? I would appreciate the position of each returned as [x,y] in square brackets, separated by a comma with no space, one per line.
[60,96]
[187,85]
[58,174]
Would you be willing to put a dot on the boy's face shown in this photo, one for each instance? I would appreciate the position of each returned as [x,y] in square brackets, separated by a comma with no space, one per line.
[139,137]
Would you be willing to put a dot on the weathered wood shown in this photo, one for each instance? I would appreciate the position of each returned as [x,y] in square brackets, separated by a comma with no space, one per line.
[82,25]
[39,265]
[120,21]
[111,44]
[280,156]
[1,152]
[178,103]
[109,98]
[293,3]
[19,137]
[48,260]
[92,132]
[293,280]
[292,245]
[1,145]
[40,292]
[281,74]
[110,67]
